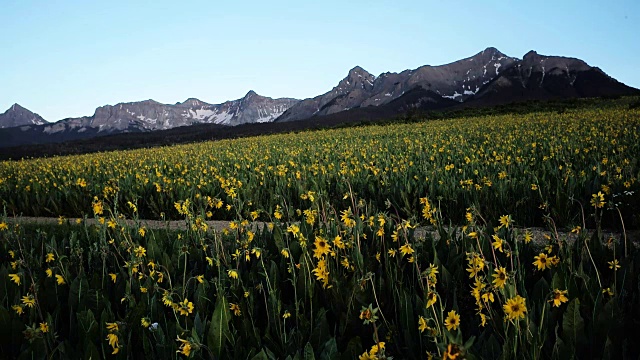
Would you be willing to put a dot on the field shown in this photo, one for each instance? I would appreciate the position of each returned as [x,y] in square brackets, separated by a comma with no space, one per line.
[336,271]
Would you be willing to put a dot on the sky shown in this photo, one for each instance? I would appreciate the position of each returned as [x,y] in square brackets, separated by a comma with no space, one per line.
[65,58]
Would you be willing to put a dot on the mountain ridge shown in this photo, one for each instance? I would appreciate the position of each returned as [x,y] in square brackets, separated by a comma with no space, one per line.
[17,115]
[486,78]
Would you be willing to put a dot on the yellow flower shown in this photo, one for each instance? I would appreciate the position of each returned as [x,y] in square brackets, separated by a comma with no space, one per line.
[469,217]
[235,308]
[3,226]
[185,308]
[473,271]
[18,309]
[515,308]
[534,187]
[112,327]
[541,261]
[232,274]
[285,253]
[321,272]
[597,200]
[49,272]
[185,347]
[143,289]
[60,280]
[50,257]
[500,277]
[615,265]
[488,297]
[113,342]
[452,321]
[497,243]
[15,278]
[286,315]
[114,277]
[140,251]
[44,327]
[376,348]
[528,237]
[505,221]
[392,252]
[145,322]
[607,291]
[29,300]
[422,324]
[452,352]
[142,231]
[406,249]
[483,319]
[322,247]
[432,298]
[97,208]
[200,278]
[209,261]
[166,299]
[559,297]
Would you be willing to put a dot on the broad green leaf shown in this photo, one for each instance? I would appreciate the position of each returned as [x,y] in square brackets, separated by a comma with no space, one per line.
[573,324]
[219,328]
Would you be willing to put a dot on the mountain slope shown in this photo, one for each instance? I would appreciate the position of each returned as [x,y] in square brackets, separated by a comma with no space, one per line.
[150,115]
[456,81]
[16,115]
[538,77]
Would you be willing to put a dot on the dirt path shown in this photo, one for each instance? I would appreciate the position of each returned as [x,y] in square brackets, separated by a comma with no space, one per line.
[539,234]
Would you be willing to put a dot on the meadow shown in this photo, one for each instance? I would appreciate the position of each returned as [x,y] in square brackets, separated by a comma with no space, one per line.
[337,270]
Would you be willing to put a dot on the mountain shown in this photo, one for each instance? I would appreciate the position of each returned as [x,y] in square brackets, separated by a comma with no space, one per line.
[150,115]
[458,81]
[539,77]
[485,79]
[16,115]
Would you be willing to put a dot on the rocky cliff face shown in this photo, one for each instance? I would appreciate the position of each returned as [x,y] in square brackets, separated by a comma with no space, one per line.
[150,115]
[539,77]
[458,81]
[16,115]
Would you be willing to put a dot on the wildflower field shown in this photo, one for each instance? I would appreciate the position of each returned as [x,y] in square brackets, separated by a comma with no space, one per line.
[320,258]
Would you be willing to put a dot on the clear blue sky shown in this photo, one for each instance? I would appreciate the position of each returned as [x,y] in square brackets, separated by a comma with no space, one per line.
[65,58]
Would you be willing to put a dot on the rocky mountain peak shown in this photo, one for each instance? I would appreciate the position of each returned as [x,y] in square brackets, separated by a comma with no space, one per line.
[357,79]
[17,115]
[192,102]
[16,107]
[539,62]
[250,94]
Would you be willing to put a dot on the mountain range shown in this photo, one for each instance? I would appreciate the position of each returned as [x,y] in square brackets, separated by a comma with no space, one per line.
[486,78]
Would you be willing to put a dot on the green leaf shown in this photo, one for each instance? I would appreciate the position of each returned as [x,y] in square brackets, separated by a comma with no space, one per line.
[308,352]
[219,327]
[277,238]
[198,326]
[573,324]
[329,350]
[260,356]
